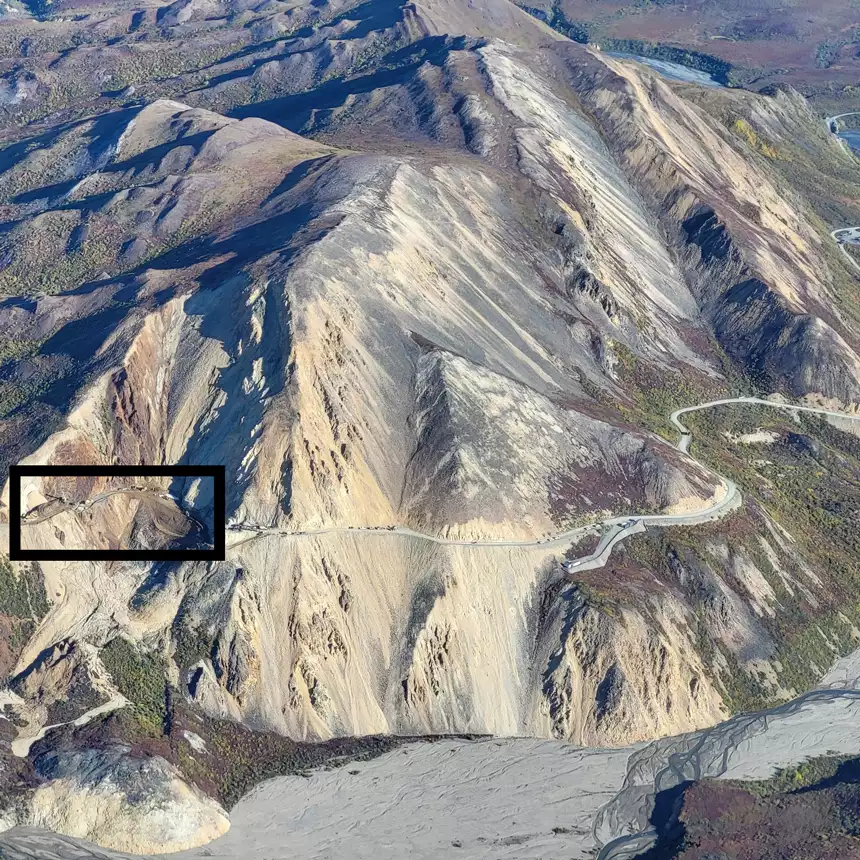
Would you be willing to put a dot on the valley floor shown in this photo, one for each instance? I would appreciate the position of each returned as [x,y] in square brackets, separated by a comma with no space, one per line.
[503,797]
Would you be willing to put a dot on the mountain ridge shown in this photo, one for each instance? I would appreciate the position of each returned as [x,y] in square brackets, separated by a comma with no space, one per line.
[391,270]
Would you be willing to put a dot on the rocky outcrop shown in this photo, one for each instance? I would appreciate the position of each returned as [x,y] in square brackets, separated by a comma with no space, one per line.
[619,673]
[140,805]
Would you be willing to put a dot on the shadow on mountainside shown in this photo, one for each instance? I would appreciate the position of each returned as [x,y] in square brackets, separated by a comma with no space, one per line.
[80,349]
[295,111]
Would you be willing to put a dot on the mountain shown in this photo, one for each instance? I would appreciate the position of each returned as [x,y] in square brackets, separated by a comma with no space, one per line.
[428,280]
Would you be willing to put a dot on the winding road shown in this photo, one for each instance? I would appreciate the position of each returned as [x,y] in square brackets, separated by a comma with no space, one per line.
[832,120]
[612,530]
[843,234]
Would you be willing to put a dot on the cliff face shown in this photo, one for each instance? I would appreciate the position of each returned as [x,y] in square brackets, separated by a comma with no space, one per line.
[460,303]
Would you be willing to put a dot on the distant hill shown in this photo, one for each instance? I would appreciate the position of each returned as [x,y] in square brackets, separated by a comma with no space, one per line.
[813,47]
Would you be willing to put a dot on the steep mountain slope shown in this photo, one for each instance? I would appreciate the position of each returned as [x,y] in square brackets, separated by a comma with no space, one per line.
[470,309]
[439,271]
[443,396]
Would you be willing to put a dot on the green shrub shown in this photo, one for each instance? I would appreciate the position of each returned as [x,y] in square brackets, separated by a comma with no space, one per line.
[744,130]
[22,596]
[805,775]
[140,678]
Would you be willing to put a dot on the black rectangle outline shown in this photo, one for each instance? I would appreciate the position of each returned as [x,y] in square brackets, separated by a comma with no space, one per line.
[217,553]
